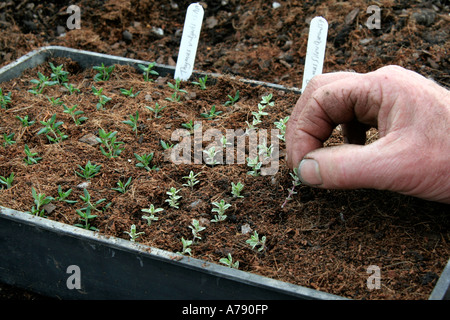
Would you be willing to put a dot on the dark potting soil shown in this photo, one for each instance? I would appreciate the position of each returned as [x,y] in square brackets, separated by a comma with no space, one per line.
[322,239]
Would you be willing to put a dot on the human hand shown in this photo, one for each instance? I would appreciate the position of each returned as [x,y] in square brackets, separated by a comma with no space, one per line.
[412,114]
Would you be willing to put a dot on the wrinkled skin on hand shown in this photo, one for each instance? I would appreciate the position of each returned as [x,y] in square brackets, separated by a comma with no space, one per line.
[412,114]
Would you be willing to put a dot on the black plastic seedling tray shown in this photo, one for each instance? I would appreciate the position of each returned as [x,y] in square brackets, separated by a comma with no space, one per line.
[37,253]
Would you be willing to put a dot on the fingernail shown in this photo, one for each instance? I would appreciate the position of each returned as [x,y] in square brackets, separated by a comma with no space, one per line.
[309,172]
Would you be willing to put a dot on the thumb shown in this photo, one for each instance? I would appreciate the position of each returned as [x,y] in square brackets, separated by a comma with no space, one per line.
[350,166]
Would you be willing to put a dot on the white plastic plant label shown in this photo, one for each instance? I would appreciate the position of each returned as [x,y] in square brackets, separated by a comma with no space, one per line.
[189,41]
[315,52]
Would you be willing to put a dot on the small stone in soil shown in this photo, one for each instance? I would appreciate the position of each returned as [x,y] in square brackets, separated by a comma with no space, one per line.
[49,207]
[246,228]
[195,204]
[127,36]
[84,185]
[90,139]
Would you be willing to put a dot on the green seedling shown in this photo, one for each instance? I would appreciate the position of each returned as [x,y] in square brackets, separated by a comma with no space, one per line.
[156,110]
[7,181]
[254,241]
[295,177]
[229,262]
[55,102]
[236,189]
[257,115]
[148,71]
[89,171]
[295,182]
[196,229]
[212,113]
[104,72]
[31,156]
[166,145]
[4,99]
[129,93]
[265,101]
[265,151]
[150,218]
[232,100]
[40,200]
[122,187]
[74,114]
[255,165]
[191,179]
[85,216]
[62,196]
[211,156]
[24,121]
[176,88]
[224,141]
[201,82]
[8,139]
[151,211]
[41,83]
[58,74]
[133,234]
[250,126]
[133,122]
[91,206]
[52,127]
[173,197]
[220,209]
[102,98]
[71,88]
[144,161]
[190,126]
[110,147]
[281,125]
[186,245]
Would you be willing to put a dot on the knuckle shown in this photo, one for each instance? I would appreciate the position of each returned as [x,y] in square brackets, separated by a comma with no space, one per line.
[314,83]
